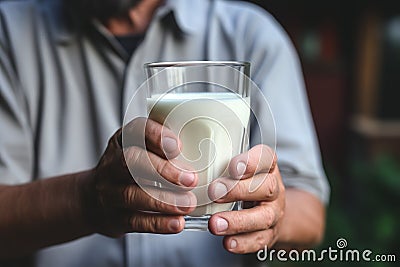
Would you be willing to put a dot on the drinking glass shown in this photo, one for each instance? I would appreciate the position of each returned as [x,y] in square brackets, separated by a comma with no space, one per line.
[207,105]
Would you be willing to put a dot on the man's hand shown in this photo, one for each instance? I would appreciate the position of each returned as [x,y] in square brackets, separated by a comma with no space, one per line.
[103,200]
[118,205]
[261,188]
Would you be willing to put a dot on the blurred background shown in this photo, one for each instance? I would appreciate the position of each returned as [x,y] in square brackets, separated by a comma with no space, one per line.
[350,52]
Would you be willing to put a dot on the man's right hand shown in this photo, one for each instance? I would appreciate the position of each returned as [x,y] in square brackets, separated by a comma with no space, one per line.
[116,204]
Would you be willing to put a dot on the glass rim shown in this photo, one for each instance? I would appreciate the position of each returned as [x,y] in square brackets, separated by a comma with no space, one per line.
[167,64]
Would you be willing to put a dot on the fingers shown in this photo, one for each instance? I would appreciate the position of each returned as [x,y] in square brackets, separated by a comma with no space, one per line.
[142,222]
[260,158]
[151,199]
[161,140]
[250,242]
[142,163]
[150,211]
[147,133]
[261,187]
[258,218]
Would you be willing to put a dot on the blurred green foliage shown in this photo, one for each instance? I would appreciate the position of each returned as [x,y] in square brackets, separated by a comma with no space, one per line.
[364,210]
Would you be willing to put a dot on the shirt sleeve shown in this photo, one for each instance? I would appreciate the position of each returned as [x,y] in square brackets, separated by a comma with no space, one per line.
[276,70]
[16,145]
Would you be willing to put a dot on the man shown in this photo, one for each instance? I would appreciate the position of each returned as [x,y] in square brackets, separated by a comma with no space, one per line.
[67,72]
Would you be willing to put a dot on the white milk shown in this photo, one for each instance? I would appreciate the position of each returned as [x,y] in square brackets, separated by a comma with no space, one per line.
[212,128]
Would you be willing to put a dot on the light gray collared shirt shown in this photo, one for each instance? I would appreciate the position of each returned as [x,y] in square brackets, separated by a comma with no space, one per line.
[63,94]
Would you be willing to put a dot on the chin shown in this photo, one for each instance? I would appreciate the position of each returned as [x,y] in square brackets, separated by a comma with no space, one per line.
[102,9]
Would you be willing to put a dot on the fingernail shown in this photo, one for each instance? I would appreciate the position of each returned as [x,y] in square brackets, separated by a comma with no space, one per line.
[222,225]
[220,190]
[169,144]
[183,202]
[233,244]
[240,168]
[186,178]
[174,225]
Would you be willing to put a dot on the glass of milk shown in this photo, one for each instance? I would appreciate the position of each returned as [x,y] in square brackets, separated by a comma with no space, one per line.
[207,105]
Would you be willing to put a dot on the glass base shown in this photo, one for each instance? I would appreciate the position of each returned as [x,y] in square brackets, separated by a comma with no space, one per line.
[199,223]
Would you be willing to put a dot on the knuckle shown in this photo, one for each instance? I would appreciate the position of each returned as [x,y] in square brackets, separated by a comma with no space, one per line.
[252,224]
[153,131]
[275,158]
[260,151]
[165,170]
[161,167]
[132,155]
[138,224]
[129,195]
[269,217]
[268,150]
[271,188]
[158,225]
[238,190]
[260,155]
[268,156]
[151,127]
[151,224]
[235,190]
[159,202]
[141,223]
[259,243]
[259,148]
[239,224]
[274,162]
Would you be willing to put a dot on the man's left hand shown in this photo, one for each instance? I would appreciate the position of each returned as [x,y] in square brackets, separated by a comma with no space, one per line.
[260,187]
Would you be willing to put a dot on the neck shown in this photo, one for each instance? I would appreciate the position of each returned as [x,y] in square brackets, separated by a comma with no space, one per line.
[137,20]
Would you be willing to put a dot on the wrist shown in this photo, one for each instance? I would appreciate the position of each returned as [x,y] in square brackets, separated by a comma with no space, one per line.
[304,220]
[85,184]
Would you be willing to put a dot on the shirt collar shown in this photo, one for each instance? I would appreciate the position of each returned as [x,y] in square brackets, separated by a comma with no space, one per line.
[55,15]
[183,15]
[59,25]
